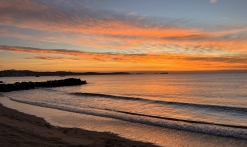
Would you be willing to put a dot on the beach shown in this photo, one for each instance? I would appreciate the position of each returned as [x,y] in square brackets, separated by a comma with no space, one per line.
[24,130]
[123,73]
[19,129]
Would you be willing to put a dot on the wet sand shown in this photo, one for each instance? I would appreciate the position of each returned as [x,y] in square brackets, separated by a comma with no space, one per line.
[19,129]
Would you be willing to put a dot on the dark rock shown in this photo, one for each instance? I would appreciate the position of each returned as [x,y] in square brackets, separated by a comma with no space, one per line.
[31,85]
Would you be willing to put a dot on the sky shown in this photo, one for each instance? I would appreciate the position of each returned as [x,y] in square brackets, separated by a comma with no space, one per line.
[123,35]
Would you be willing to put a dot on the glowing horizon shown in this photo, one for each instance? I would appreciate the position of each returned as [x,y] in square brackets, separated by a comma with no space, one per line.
[113,36]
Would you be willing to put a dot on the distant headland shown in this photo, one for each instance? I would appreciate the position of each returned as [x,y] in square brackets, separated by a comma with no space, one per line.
[20,73]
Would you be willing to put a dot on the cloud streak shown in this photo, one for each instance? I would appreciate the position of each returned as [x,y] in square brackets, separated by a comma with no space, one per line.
[52,58]
[213,1]
[168,61]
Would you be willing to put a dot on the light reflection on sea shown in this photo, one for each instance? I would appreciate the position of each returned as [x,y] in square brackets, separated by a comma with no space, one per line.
[206,103]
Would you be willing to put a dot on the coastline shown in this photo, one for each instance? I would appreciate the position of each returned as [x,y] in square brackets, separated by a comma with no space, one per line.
[19,127]
[22,129]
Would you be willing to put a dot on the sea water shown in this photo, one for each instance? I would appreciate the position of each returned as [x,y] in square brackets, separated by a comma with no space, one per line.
[208,103]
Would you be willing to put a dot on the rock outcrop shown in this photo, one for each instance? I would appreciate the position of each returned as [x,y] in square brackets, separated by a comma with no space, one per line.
[31,85]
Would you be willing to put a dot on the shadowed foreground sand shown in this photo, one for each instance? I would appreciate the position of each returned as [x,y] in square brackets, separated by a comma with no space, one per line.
[19,129]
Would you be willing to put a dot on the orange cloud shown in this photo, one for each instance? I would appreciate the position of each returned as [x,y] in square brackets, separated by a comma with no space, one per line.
[116,31]
[131,62]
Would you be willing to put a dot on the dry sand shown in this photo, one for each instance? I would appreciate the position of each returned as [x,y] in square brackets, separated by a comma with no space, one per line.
[19,129]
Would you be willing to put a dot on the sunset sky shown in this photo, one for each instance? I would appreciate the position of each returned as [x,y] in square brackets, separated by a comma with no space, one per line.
[123,35]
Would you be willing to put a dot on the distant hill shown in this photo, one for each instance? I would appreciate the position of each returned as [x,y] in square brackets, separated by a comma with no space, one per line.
[20,73]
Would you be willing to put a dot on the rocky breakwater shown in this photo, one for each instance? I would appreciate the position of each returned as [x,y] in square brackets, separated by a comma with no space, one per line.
[31,85]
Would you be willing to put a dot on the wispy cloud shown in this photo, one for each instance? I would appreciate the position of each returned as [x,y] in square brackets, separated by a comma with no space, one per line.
[153,61]
[109,29]
[213,1]
[52,58]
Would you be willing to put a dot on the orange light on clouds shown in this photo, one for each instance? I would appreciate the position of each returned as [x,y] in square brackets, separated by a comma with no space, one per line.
[136,42]
[83,61]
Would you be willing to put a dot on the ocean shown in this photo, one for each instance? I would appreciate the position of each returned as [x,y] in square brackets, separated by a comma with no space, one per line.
[140,106]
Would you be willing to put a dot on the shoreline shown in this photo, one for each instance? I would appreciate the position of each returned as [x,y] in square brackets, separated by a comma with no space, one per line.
[22,129]
[17,122]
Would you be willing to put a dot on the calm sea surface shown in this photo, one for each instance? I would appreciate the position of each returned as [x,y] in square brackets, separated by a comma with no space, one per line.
[212,103]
